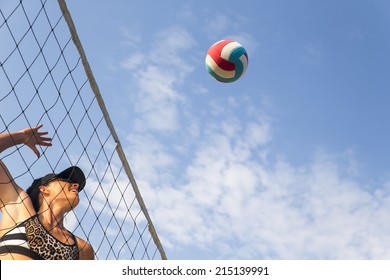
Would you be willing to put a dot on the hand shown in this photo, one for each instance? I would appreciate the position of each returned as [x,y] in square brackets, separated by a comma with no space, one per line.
[34,137]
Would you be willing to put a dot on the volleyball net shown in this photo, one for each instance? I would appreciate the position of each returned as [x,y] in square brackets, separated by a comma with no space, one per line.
[45,79]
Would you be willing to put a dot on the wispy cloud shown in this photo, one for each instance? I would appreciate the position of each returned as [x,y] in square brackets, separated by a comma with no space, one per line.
[245,209]
[158,70]
[133,61]
[218,24]
[233,200]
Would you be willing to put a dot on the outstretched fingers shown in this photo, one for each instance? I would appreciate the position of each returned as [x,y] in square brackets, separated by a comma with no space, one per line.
[41,140]
[37,138]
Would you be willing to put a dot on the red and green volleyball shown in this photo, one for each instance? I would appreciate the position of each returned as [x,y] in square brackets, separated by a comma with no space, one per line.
[226,61]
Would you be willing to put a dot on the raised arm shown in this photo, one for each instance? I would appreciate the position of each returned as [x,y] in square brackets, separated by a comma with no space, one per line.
[11,195]
[29,136]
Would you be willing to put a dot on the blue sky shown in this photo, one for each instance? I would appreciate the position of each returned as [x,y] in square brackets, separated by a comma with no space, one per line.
[289,162]
[318,70]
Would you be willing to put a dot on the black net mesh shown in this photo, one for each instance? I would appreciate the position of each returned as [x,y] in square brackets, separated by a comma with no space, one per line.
[43,81]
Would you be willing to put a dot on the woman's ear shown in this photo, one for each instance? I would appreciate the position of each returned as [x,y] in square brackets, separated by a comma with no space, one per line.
[44,190]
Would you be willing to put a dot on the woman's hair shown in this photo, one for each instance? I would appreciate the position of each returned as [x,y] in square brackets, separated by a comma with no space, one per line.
[33,192]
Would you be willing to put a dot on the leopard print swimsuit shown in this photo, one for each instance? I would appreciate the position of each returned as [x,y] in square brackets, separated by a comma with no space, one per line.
[31,238]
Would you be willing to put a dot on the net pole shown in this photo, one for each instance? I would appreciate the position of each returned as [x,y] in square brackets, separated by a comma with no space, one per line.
[110,125]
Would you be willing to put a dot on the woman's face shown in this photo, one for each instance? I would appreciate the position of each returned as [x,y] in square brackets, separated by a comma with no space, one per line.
[65,191]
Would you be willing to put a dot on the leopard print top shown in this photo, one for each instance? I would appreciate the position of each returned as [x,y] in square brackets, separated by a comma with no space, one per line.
[30,238]
[46,245]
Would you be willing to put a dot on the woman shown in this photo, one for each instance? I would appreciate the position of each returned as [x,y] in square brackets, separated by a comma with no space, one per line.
[32,221]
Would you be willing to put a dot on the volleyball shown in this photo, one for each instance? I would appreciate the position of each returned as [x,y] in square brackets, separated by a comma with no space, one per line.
[226,61]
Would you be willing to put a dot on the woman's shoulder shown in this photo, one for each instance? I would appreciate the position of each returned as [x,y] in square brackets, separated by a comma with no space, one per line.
[16,211]
[12,197]
[85,249]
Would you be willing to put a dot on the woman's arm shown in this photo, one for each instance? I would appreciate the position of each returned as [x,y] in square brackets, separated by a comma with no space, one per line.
[10,139]
[29,136]
[86,251]
[11,195]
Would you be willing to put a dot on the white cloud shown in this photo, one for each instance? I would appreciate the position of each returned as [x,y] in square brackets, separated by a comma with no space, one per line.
[157,99]
[158,70]
[232,200]
[218,24]
[149,158]
[173,39]
[130,37]
[246,209]
[133,61]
